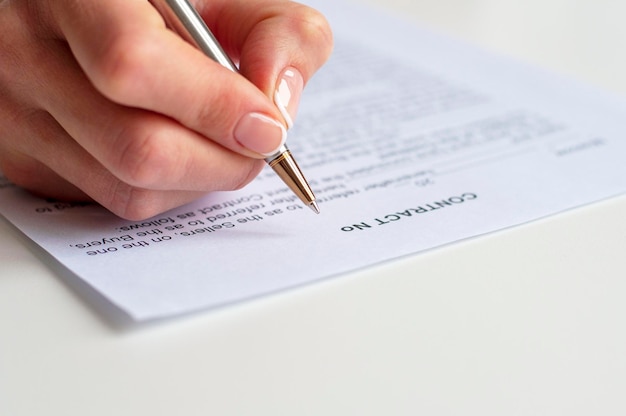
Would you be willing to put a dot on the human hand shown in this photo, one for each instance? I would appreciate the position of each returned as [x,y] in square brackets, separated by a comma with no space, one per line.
[98,100]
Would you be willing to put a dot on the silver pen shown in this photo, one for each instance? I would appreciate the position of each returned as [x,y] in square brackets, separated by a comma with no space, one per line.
[182,18]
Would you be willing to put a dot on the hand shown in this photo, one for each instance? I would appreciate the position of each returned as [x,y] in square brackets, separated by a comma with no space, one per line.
[98,100]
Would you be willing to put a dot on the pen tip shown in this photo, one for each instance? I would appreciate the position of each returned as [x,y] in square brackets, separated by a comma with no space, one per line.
[314,207]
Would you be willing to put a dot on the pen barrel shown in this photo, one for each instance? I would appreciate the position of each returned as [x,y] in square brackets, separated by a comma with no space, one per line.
[182,18]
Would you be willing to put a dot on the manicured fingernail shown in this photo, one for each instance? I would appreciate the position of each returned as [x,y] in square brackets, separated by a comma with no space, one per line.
[260,133]
[288,92]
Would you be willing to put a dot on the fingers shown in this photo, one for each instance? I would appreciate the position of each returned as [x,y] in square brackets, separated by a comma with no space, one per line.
[141,148]
[64,170]
[132,60]
[69,142]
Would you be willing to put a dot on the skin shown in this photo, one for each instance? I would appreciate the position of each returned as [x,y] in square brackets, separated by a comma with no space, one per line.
[100,101]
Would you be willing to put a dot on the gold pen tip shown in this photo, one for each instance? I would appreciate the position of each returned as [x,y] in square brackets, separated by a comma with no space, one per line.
[314,207]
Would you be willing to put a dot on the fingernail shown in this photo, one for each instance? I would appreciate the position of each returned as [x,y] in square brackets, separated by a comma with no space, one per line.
[288,92]
[260,133]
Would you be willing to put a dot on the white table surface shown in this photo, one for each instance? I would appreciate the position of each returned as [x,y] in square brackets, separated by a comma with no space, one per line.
[526,321]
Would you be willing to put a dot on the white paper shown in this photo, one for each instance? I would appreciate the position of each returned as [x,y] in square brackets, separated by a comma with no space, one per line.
[410,141]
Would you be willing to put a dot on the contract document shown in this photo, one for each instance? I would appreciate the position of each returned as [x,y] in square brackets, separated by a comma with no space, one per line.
[410,140]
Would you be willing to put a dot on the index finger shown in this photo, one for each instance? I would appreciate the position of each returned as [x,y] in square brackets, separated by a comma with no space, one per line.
[272,35]
[279,44]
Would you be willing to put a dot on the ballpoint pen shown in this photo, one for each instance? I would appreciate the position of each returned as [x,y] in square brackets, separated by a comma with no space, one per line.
[182,18]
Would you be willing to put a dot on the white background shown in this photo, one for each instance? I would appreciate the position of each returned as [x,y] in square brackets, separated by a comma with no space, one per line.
[529,320]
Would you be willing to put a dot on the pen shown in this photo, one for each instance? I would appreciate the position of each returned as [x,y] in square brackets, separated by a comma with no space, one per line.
[183,19]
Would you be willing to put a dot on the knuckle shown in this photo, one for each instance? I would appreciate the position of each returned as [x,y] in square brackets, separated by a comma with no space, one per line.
[131,203]
[314,27]
[147,156]
[120,71]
